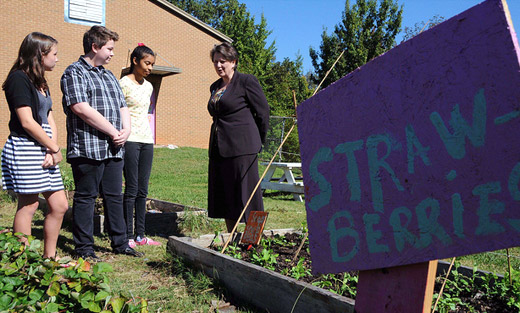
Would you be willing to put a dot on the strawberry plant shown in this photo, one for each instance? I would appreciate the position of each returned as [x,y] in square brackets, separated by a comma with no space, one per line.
[30,283]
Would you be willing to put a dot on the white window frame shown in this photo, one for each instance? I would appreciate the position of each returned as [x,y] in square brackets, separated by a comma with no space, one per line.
[98,13]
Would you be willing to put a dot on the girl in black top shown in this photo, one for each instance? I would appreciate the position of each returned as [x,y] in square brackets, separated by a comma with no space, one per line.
[31,154]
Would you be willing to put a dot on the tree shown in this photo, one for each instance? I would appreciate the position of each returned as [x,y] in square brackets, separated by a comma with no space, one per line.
[418,28]
[285,77]
[256,56]
[364,32]
[233,19]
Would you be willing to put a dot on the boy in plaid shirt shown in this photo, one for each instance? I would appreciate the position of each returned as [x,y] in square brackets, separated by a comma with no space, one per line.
[98,125]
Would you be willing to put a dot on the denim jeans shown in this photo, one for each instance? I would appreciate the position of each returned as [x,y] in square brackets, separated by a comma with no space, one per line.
[89,176]
[138,165]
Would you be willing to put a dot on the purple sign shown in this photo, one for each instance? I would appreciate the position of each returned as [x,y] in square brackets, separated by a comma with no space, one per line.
[416,155]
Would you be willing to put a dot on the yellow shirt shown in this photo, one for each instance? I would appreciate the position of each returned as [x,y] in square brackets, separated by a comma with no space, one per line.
[137,99]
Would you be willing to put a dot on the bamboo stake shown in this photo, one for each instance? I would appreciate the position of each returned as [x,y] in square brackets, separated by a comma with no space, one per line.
[509,267]
[272,159]
[443,284]
[424,26]
[328,72]
[300,247]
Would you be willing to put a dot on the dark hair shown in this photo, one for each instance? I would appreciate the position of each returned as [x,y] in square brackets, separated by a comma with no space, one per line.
[227,50]
[33,48]
[139,53]
[98,35]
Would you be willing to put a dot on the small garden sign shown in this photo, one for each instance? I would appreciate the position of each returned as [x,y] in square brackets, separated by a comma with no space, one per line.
[254,227]
[416,156]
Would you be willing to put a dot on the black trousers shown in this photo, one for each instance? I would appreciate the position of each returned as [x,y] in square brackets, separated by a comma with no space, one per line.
[138,165]
[89,177]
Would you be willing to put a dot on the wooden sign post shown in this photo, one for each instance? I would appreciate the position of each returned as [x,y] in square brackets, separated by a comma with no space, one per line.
[407,288]
[411,158]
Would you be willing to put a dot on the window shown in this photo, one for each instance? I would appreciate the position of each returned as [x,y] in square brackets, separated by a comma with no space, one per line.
[86,12]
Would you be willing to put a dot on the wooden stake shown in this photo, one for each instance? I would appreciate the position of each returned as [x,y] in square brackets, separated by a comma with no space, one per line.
[328,72]
[300,247]
[509,267]
[443,284]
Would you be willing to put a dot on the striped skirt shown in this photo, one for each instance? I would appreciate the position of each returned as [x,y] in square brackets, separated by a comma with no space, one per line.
[22,169]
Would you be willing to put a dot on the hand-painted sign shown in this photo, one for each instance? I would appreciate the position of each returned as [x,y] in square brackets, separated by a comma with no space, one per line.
[254,227]
[416,155]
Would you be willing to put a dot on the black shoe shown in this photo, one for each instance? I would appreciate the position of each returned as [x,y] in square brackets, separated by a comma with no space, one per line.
[87,256]
[130,251]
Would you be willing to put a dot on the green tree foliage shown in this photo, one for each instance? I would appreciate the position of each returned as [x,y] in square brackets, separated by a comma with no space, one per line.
[233,19]
[410,32]
[285,77]
[256,55]
[365,31]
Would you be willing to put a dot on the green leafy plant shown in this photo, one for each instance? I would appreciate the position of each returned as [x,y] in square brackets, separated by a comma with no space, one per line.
[265,258]
[68,181]
[299,271]
[30,283]
[234,251]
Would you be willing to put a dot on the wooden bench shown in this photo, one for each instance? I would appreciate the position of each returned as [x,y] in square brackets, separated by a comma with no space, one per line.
[286,182]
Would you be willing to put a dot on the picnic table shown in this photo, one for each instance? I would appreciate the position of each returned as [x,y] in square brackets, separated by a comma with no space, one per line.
[287,182]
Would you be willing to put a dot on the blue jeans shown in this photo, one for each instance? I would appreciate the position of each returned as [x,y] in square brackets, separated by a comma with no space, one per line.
[89,176]
[138,165]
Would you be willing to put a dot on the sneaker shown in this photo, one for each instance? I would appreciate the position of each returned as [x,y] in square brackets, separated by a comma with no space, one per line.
[147,241]
[130,251]
[131,243]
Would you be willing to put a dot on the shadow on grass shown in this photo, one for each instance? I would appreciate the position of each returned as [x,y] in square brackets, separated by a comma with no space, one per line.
[198,282]
[279,195]
[65,244]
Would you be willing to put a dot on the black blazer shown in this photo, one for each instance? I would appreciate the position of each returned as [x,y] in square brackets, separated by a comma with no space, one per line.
[240,117]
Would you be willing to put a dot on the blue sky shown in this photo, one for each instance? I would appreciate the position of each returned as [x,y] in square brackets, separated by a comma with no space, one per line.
[298,24]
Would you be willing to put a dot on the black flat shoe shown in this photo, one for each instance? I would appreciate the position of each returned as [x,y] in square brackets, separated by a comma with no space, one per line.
[87,256]
[130,251]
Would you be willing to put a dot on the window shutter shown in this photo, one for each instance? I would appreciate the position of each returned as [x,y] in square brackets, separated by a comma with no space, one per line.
[88,10]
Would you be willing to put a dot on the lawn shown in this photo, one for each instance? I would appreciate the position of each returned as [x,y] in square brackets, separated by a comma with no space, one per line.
[180,176]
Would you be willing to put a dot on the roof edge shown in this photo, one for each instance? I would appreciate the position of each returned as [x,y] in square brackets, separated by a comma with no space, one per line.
[194,20]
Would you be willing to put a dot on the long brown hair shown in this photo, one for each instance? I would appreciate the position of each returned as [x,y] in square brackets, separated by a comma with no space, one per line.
[33,48]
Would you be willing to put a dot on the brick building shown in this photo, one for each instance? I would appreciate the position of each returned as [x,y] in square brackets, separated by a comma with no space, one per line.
[183,70]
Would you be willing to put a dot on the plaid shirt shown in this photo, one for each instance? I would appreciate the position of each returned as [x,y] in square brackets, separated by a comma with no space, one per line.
[97,86]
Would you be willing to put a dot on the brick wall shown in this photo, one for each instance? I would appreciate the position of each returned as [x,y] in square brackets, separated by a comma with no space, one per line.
[182,118]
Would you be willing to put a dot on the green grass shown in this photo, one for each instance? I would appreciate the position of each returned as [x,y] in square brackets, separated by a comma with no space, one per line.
[180,176]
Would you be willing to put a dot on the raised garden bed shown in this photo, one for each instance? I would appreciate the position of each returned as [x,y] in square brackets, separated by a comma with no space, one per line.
[254,284]
[274,292]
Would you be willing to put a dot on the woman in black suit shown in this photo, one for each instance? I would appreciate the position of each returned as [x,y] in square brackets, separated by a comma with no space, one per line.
[240,121]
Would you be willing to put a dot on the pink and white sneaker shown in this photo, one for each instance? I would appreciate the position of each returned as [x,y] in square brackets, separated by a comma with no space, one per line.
[131,243]
[147,241]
